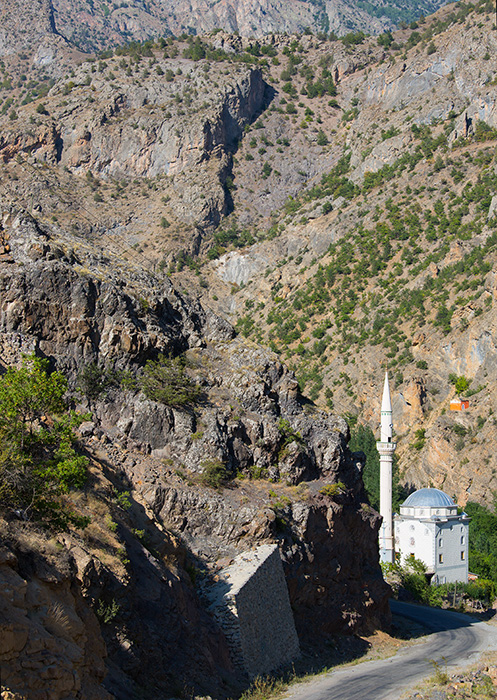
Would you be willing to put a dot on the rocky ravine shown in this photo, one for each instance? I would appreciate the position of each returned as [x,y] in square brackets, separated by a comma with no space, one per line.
[251,419]
[133,132]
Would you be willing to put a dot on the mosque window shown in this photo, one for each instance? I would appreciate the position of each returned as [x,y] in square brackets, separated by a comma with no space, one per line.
[463,555]
[440,558]
[411,542]
[441,542]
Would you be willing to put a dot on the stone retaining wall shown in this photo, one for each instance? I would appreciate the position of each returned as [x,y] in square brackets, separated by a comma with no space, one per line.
[252,605]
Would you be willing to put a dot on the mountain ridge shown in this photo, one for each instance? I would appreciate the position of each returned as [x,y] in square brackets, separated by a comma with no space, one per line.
[91,27]
[296,174]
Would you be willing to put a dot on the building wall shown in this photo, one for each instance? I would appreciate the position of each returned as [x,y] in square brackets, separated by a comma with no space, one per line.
[452,545]
[438,544]
[415,537]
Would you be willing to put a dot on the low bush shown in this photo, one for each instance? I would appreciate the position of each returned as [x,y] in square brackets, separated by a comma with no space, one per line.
[165,380]
[214,474]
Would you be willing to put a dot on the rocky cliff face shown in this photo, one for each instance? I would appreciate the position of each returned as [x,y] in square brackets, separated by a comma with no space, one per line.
[176,129]
[251,420]
[89,28]
[50,638]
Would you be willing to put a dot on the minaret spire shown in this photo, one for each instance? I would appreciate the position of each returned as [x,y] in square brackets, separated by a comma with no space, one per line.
[386,448]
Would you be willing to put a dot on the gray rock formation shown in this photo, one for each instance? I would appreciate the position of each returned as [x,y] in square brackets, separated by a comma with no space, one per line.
[251,421]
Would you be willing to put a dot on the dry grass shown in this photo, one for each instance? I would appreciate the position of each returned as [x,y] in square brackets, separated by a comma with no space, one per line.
[478,682]
[57,622]
[264,688]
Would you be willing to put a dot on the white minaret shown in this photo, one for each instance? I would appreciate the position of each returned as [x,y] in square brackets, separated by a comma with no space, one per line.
[386,448]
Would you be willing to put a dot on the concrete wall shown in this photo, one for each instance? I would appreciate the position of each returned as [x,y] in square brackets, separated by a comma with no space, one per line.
[252,605]
[430,539]
[451,541]
[416,537]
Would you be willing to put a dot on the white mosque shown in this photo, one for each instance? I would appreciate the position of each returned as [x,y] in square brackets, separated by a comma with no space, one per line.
[429,526]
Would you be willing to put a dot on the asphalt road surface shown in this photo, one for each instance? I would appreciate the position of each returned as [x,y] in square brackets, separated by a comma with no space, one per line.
[453,641]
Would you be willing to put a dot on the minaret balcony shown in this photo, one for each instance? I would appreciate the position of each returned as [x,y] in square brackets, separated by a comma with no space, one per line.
[386,447]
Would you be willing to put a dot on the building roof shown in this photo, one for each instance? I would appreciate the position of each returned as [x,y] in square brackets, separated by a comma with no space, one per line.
[432,498]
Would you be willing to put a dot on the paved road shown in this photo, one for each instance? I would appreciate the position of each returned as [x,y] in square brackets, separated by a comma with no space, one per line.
[454,640]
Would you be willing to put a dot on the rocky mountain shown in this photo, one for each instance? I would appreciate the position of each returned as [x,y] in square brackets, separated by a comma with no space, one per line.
[335,200]
[90,26]
[149,150]
[155,515]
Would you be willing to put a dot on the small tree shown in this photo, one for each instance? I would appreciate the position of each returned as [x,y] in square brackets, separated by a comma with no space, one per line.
[92,381]
[27,394]
[38,459]
[461,383]
[165,380]
[322,139]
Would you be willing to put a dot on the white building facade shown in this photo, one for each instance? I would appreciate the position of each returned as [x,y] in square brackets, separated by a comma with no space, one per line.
[430,529]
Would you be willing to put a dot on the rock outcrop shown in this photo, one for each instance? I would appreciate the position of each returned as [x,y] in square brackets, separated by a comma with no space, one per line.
[251,421]
[135,132]
[249,18]
[50,640]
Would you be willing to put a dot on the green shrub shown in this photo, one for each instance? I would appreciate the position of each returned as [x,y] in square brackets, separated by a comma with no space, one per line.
[214,474]
[266,170]
[165,380]
[332,490]
[106,612]
[92,381]
[420,441]
[461,383]
[484,132]
[322,139]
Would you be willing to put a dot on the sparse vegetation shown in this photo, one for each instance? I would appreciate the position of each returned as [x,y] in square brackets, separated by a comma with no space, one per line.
[166,380]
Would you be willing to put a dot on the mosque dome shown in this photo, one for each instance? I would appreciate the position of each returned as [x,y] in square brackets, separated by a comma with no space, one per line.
[429,498]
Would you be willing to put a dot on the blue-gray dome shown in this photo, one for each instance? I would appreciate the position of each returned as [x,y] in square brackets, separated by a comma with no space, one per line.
[431,498]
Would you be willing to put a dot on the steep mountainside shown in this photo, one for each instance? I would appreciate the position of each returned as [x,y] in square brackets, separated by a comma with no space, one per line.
[95,26]
[153,466]
[336,200]
[360,172]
